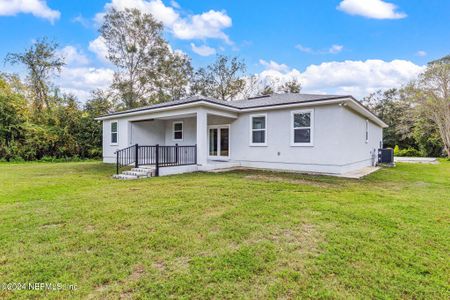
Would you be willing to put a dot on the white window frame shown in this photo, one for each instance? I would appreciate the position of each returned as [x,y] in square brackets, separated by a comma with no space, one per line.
[367,131]
[218,156]
[173,131]
[116,132]
[251,130]
[311,128]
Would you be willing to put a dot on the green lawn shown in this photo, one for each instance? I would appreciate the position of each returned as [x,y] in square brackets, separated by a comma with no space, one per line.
[243,234]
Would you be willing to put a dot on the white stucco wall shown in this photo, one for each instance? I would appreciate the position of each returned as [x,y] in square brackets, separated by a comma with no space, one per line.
[338,135]
[123,140]
[323,156]
[356,152]
[189,132]
[148,132]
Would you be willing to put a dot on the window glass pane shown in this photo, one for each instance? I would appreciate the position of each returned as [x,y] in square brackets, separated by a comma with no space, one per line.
[178,126]
[224,142]
[367,131]
[114,127]
[213,142]
[302,135]
[258,136]
[178,135]
[302,120]
[259,123]
[114,138]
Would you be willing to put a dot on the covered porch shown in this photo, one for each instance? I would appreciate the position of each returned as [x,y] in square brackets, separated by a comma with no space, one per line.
[179,141]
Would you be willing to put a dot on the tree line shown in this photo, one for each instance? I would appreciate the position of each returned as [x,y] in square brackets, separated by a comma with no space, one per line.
[37,121]
[418,114]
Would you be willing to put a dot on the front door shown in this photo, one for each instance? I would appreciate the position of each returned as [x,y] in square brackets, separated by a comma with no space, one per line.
[219,142]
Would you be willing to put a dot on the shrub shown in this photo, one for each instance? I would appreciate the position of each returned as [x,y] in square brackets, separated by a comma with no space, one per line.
[47,158]
[396,150]
[408,152]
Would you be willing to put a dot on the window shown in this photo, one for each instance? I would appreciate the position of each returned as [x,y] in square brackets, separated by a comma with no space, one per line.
[367,131]
[302,127]
[177,131]
[258,130]
[114,134]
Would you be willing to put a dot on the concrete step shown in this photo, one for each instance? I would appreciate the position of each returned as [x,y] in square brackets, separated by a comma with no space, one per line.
[142,170]
[125,177]
[147,167]
[138,174]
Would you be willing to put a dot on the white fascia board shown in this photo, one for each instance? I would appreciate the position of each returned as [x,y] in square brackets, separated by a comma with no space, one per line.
[168,108]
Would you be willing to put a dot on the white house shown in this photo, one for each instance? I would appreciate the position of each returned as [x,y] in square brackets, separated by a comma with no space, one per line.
[296,132]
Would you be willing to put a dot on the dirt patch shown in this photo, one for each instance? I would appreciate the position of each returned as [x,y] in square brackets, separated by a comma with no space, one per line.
[89,228]
[138,272]
[303,239]
[53,225]
[159,265]
[213,212]
[98,291]
[181,263]
[289,180]
[126,295]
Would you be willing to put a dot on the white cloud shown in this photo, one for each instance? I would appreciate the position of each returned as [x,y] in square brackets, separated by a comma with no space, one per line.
[82,20]
[37,8]
[72,56]
[374,9]
[98,46]
[304,49]
[274,66]
[334,49]
[174,4]
[80,81]
[164,14]
[421,53]
[198,26]
[203,50]
[358,78]
[206,25]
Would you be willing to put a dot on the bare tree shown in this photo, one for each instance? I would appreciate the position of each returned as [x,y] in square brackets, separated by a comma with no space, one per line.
[267,90]
[291,86]
[222,80]
[174,77]
[251,86]
[41,62]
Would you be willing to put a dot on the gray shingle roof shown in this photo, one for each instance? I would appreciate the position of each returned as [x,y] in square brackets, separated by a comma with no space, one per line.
[277,99]
[262,101]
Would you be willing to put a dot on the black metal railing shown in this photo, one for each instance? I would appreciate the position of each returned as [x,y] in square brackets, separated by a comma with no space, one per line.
[159,156]
[125,157]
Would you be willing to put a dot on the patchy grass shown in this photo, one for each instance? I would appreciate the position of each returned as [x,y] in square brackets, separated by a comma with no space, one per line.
[242,234]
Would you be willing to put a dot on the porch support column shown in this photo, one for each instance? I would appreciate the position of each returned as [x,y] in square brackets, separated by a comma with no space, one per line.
[202,137]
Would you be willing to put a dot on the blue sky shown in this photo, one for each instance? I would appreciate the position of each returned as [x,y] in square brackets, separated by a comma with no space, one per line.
[331,46]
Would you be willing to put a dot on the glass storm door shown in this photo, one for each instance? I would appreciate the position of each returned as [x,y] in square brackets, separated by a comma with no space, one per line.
[219,142]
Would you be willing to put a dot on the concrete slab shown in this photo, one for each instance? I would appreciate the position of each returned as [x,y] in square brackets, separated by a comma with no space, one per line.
[360,173]
[416,160]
